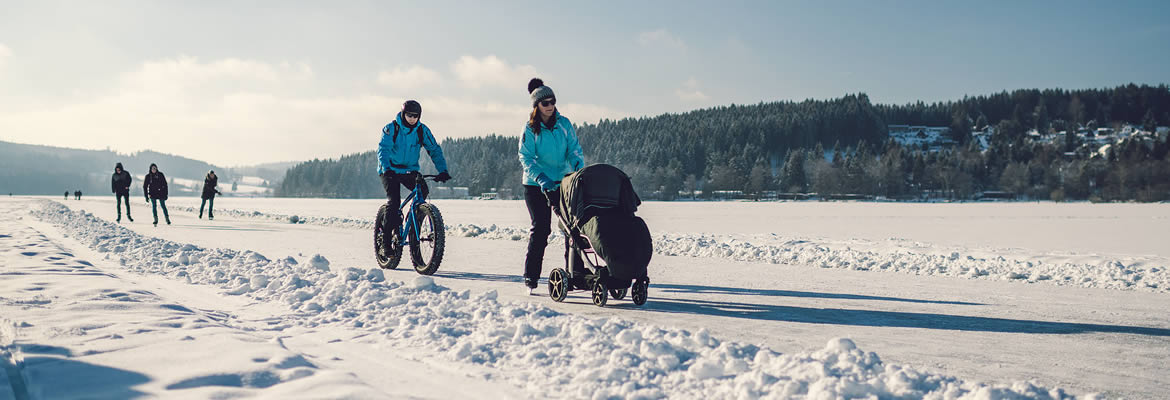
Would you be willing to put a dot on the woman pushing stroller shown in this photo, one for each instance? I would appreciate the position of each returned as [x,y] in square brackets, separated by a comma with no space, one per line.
[548,150]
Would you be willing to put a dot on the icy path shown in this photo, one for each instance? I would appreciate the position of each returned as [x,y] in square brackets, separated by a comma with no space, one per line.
[1086,339]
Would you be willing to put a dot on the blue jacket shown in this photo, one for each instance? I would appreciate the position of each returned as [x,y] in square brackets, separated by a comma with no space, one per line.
[400,155]
[553,152]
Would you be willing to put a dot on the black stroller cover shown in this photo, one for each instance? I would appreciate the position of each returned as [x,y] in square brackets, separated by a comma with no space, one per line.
[599,202]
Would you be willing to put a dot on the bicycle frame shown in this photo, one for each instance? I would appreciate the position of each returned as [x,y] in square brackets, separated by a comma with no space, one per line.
[409,222]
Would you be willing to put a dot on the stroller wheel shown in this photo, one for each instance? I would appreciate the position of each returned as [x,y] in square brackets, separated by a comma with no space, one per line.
[639,291]
[617,294]
[600,297]
[558,284]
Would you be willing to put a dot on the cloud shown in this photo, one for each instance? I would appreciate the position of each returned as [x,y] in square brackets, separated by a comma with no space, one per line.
[242,112]
[5,52]
[690,91]
[186,74]
[228,111]
[407,78]
[661,38]
[491,71]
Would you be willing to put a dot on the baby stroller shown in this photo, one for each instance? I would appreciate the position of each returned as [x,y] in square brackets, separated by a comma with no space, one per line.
[597,218]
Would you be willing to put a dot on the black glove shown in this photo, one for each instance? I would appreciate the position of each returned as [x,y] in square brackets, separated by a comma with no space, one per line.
[443,177]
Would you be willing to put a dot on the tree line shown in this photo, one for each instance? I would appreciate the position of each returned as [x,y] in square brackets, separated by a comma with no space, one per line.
[781,146]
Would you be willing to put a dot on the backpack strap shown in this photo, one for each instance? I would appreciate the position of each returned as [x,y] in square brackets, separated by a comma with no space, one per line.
[417,129]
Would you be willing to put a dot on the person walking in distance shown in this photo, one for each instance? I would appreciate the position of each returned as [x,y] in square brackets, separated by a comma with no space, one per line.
[209,192]
[154,187]
[120,185]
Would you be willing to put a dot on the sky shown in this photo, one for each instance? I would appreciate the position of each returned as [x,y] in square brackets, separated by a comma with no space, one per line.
[243,83]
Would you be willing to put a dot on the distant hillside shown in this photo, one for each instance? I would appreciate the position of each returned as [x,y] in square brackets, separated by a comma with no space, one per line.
[1038,144]
[48,170]
[271,172]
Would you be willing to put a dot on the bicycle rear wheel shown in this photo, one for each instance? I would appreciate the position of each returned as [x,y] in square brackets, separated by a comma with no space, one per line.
[386,256]
[426,250]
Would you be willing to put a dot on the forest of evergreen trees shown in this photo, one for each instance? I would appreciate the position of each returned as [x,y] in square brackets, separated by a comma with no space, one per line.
[781,147]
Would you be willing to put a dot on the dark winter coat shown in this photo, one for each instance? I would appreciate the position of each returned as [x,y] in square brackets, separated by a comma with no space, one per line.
[155,186]
[209,183]
[120,181]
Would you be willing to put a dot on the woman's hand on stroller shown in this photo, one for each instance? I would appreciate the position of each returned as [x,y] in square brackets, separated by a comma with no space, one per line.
[546,183]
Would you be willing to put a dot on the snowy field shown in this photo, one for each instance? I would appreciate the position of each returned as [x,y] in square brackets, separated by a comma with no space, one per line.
[748,300]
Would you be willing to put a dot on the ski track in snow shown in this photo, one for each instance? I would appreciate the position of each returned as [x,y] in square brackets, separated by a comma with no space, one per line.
[918,259]
[531,345]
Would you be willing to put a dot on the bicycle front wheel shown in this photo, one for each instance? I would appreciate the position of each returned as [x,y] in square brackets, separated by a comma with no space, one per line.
[426,248]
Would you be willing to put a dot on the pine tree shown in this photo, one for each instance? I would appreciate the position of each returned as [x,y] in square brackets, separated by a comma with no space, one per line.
[961,126]
[1148,122]
[1040,116]
[792,175]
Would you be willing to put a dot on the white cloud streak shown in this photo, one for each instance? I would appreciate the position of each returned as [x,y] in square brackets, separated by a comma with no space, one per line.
[690,91]
[661,38]
[5,52]
[491,71]
[408,78]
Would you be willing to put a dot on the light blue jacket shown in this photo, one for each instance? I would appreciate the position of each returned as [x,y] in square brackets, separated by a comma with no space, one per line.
[553,152]
[400,155]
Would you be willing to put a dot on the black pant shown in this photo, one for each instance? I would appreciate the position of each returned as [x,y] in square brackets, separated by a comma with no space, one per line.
[540,210]
[118,198]
[210,203]
[154,209]
[390,182]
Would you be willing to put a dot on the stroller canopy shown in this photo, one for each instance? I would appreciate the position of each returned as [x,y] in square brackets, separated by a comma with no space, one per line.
[596,188]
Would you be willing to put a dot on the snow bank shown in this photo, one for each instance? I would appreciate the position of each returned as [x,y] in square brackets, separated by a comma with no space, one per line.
[918,259]
[1109,274]
[531,345]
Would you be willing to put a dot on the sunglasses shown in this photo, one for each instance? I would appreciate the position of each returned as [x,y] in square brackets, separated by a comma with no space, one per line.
[412,115]
[549,102]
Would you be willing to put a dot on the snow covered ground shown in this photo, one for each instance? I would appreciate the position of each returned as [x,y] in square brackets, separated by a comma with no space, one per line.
[747,300]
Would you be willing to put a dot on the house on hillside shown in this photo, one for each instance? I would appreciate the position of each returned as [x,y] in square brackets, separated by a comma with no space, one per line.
[932,138]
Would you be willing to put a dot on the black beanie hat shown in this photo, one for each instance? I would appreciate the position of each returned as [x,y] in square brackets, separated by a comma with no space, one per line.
[412,106]
[538,91]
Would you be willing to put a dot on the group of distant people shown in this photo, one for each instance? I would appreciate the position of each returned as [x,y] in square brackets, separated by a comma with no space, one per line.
[154,189]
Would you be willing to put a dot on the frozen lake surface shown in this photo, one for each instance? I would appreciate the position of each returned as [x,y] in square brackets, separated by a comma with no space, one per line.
[747,299]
